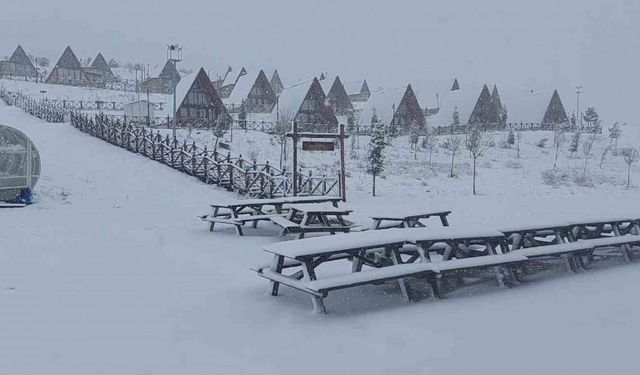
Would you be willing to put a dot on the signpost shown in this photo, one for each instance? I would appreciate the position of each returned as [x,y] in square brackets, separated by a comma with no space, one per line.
[319,146]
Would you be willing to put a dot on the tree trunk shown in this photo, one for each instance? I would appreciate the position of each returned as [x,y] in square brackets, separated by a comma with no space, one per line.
[430,151]
[584,171]
[374,185]
[452,159]
[474,176]
[628,176]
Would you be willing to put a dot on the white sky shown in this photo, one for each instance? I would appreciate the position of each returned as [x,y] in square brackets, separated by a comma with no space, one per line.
[542,44]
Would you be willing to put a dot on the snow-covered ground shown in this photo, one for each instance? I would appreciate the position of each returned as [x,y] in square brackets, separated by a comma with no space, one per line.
[500,171]
[62,92]
[110,272]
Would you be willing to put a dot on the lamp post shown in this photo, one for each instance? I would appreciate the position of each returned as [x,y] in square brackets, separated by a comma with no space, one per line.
[174,54]
[578,92]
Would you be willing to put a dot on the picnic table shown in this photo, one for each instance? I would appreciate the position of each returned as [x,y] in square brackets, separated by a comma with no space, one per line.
[314,218]
[309,254]
[240,212]
[407,219]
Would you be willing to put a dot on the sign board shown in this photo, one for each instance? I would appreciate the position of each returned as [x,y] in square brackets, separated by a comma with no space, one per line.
[318,146]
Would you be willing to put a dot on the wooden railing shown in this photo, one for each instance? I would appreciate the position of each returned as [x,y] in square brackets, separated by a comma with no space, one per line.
[95,105]
[33,107]
[210,166]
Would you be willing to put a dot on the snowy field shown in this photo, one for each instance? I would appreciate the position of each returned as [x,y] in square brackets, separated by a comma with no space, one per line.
[111,272]
[62,92]
[500,171]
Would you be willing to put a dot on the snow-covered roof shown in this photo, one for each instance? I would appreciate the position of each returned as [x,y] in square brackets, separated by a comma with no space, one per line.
[382,100]
[241,89]
[353,86]
[528,106]
[183,88]
[291,97]
[464,100]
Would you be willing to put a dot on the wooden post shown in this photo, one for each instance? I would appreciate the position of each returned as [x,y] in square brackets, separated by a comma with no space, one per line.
[295,158]
[343,180]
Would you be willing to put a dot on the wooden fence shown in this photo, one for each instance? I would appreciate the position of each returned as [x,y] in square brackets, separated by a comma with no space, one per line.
[33,107]
[232,173]
[94,105]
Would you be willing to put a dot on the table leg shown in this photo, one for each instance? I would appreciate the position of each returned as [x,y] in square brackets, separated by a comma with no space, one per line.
[215,215]
[404,287]
[276,266]
[310,275]
[624,248]
[444,220]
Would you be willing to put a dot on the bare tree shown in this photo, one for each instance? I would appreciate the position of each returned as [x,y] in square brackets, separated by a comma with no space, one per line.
[477,145]
[587,147]
[454,146]
[631,156]
[414,138]
[281,127]
[519,136]
[558,140]
[429,142]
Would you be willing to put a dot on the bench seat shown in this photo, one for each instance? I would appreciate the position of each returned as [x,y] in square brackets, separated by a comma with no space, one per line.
[287,225]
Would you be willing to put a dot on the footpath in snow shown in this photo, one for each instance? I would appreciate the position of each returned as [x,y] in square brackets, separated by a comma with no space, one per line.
[111,272]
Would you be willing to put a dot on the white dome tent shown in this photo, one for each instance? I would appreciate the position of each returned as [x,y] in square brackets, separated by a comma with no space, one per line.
[19,167]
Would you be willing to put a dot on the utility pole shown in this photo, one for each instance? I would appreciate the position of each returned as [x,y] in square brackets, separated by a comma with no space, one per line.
[174,54]
[578,91]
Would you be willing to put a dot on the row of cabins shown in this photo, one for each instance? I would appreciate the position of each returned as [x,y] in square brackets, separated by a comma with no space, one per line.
[67,71]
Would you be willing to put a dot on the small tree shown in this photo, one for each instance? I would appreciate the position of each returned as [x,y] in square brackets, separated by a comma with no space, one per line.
[455,119]
[519,136]
[414,138]
[429,142]
[281,127]
[375,156]
[477,145]
[614,134]
[558,140]
[113,64]
[454,146]
[593,121]
[511,138]
[575,142]
[219,129]
[587,147]
[631,156]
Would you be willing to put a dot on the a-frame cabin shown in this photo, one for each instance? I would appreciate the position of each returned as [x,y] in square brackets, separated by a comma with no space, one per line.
[555,113]
[408,112]
[276,83]
[20,64]
[484,111]
[68,70]
[100,65]
[199,103]
[499,111]
[456,85]
[339,100]
[314,112]
[261,97]
[168,75]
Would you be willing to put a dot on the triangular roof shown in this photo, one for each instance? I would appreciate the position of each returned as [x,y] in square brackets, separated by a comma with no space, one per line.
[169,72]
[483,112]
[338,99]
[455,86]
[200,80]
[555,113]
[365,88]
[68,60]
[276,83]
[243,72]
[314,110]
[100,64]
[262,90]
[408,111]
[498,108]
[20,57]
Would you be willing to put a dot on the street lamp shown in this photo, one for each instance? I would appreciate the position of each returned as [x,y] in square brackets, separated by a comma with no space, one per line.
[578,91]
[174,54]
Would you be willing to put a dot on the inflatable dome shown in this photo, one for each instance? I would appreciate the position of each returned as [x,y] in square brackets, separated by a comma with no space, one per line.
[19,166]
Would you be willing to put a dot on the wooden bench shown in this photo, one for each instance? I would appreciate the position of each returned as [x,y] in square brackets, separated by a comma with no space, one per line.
[287,225]
[408,220]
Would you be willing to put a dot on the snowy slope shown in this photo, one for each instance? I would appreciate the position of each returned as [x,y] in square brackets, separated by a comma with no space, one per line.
[111,272]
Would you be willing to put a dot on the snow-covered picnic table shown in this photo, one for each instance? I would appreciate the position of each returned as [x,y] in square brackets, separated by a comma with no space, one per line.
[407,219]
[305,218]
[464,249]
[239,212]
[309,254]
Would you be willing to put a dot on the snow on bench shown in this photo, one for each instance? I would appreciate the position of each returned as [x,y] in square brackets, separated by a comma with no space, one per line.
[338,243]
[286,224]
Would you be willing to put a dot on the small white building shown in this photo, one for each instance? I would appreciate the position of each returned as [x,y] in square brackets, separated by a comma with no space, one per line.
[139,109]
